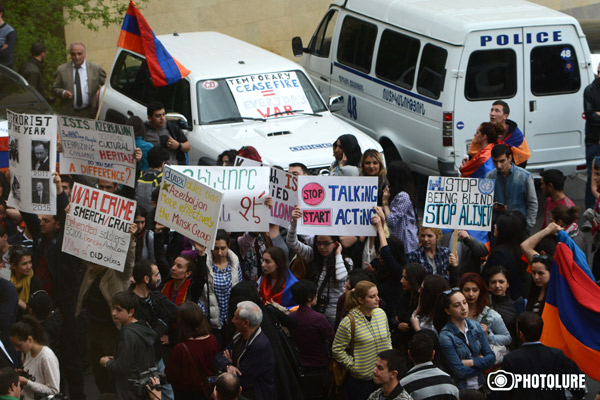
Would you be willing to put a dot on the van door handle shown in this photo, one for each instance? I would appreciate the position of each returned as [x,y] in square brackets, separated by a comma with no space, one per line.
[324,79]
[532,106]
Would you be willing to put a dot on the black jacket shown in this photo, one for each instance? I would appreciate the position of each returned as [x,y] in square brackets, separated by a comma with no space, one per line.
[591,104]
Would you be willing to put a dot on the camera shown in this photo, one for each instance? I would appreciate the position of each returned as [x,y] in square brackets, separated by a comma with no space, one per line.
[321,305]
[25,374]
[501,381]
[142,383]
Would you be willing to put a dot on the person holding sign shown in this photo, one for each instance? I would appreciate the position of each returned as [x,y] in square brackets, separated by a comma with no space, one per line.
[276,282]
[434,258]
[481,163]
[399,205]
[326,266]
[371,164]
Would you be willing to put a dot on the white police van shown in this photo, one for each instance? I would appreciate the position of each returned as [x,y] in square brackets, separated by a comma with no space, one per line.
[421,75]
[236,95]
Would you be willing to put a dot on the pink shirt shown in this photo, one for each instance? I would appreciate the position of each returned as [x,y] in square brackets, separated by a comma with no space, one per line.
[565,201]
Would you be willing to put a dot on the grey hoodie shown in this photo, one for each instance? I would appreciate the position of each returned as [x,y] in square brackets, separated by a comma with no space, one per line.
[135,351]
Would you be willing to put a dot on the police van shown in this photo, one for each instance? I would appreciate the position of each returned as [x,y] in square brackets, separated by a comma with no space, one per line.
[421,75]
[236,95]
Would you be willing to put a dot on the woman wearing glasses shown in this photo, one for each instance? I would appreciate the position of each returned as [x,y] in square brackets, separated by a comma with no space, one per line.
[325,266]
[463,341]
[541,265]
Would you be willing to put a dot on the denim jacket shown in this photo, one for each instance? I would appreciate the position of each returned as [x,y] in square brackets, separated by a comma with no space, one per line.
[497,332]
[456,349]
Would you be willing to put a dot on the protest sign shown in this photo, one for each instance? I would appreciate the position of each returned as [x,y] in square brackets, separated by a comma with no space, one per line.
[337,205]
[98,149]
[284,191]
[246,162]
[97,226]
[459,203]
[244,192]
[32,160]
[263,95]
[189,207]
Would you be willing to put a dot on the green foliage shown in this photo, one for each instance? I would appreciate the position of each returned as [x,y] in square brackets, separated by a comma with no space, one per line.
[44,21]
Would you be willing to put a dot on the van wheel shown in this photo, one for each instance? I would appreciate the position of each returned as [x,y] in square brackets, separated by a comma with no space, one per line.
[390,152]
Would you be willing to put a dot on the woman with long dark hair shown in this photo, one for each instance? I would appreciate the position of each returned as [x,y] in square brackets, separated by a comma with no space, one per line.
[21,275]
[412,278]
[192,359]
[481,163]
[276,282]
[325,266]
[347,153]
[399,202]
[429,293]
[463,341]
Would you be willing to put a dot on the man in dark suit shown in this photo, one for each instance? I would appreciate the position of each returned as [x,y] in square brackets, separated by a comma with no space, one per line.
[40,195]
[9,305]
[40,162]
[535,358]
[78,83]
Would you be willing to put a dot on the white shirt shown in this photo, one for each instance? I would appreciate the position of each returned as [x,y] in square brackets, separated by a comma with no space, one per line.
[85,90]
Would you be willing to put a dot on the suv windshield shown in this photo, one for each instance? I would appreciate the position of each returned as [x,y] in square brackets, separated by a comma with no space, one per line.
[259,96]
[18,96]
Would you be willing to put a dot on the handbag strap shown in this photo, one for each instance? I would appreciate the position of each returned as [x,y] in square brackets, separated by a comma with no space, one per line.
[199,373]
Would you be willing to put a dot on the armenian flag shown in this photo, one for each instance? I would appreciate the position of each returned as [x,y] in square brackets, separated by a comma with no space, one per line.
[572,311]
[136,35]
[479,165]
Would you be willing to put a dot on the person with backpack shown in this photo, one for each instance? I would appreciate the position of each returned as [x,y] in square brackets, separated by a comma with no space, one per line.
[157,158]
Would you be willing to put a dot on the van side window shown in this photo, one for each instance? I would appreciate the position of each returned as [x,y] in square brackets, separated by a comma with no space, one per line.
[432,71]
[397,58]
[491,74]
[554,70]
[357,40]
[131,77]
[320,44]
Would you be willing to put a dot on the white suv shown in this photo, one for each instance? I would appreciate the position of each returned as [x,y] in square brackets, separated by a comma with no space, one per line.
[236,95]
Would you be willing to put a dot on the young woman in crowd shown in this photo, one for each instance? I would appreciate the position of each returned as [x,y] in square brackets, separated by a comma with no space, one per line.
[480,164]
[475,291]
[325,266]
[223,273]
[399,202]
[566,218]
[497,280]
[371,164]
[463,341]
[509,232]
[192,359]
[436,259]
[412,278]
[21,275]
[276,282]
[347,153]
[38,360]
[177,289]
[429,293]
[371,337]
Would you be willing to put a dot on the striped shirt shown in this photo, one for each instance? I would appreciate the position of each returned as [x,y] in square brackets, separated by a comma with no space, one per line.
[426,381]
[370,339]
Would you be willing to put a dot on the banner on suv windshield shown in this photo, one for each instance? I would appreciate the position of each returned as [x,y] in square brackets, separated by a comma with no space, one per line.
[274,94]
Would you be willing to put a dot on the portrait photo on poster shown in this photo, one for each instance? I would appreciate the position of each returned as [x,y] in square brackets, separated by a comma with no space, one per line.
[15,188]
[40,151]
[40,193]
[13,149]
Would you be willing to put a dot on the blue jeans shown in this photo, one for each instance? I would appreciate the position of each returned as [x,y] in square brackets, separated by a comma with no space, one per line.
[591,150]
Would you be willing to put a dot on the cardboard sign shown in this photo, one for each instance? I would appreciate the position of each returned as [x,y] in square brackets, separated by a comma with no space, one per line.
[32,160]
[263,95]
[97,226]
[284,191]
[459,203]
[246,162]
[98,149]
[337,205]
[189,207]
[244,191]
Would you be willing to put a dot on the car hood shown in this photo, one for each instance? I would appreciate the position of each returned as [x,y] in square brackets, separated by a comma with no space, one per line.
[306,139]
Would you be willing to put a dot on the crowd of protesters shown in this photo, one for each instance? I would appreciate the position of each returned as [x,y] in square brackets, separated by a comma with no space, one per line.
[287,316]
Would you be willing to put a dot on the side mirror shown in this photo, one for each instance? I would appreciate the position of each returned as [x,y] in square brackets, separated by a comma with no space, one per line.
[180,120]
[336,103]
[297,48]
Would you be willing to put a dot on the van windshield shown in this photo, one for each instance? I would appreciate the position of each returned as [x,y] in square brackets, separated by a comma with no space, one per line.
[258,96]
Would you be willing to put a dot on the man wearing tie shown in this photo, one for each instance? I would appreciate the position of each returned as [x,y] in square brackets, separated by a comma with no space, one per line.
[41,161]
[78,83]
[40,194]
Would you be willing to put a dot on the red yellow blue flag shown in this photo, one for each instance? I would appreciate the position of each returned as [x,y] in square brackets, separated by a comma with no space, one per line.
[136,35]
[572,311]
